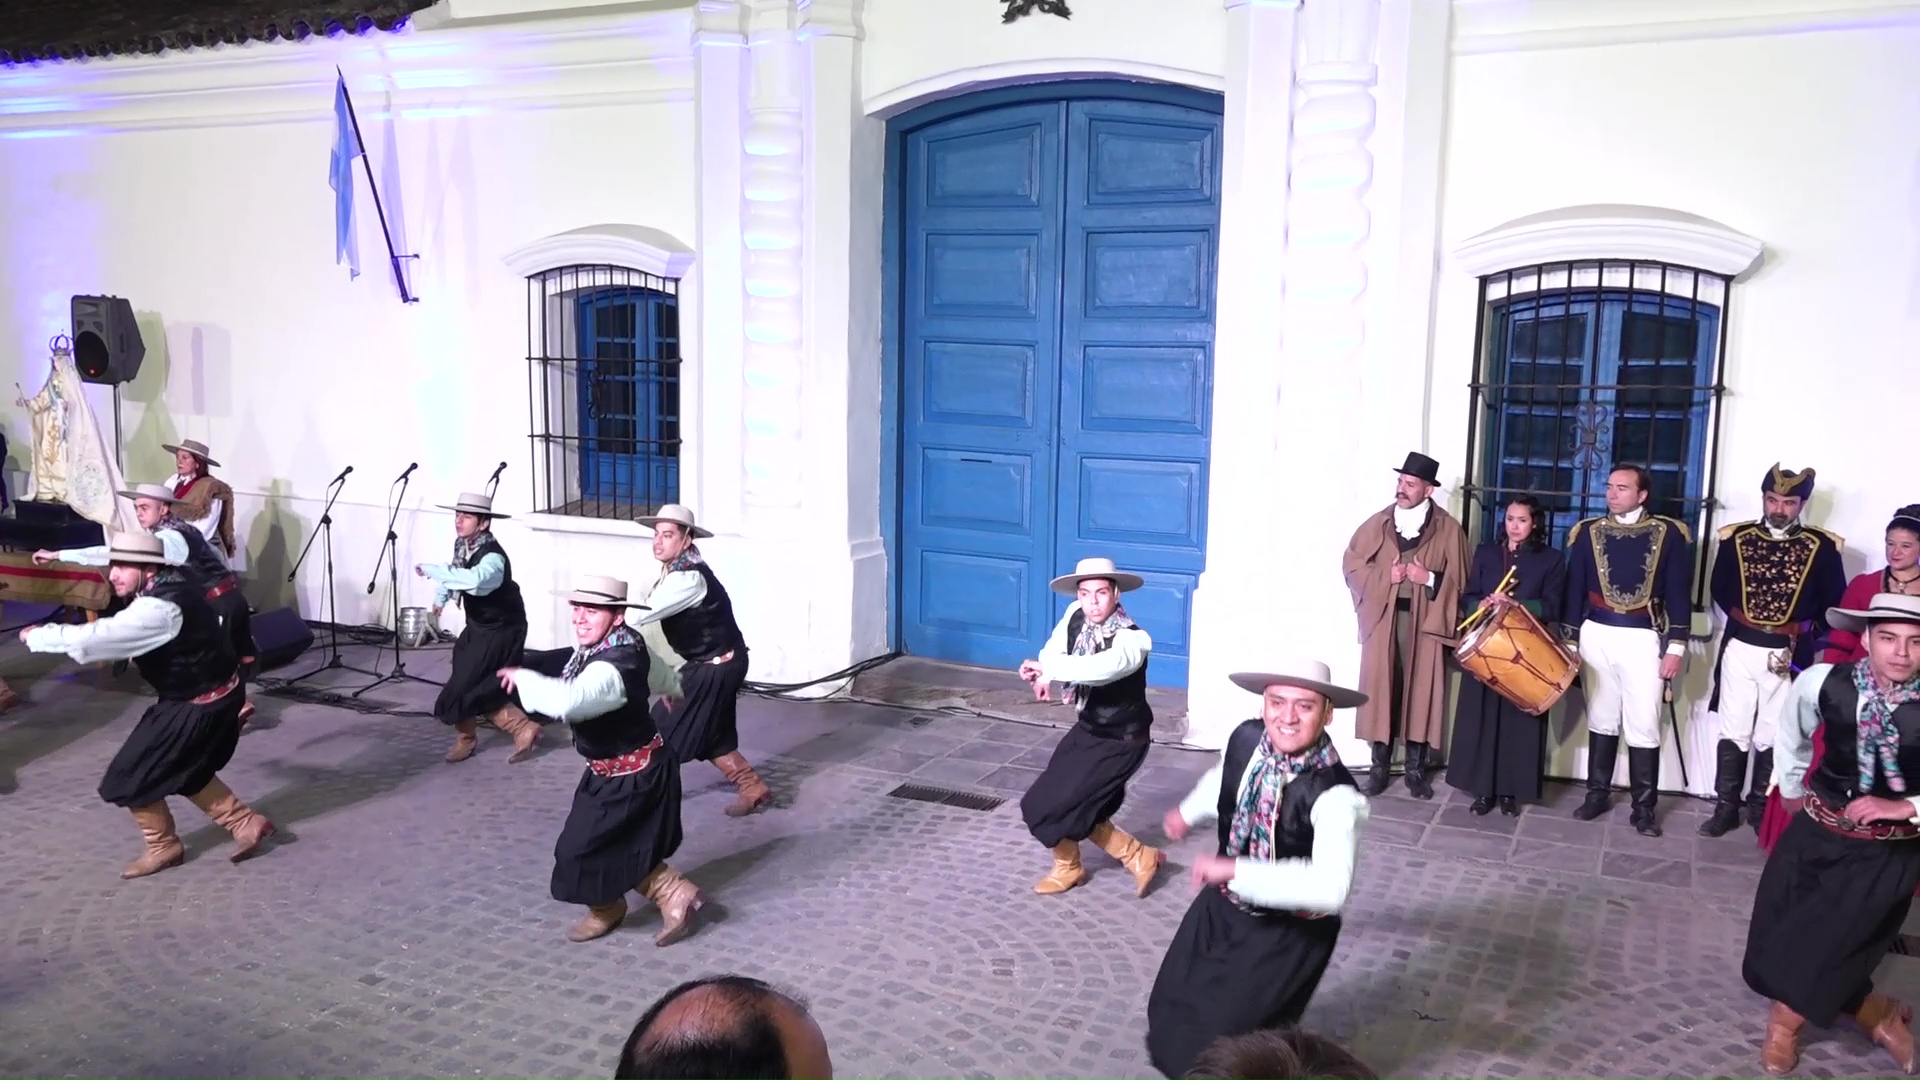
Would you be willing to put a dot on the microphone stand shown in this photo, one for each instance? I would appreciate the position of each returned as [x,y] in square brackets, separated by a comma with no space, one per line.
[390,551]
[325,535]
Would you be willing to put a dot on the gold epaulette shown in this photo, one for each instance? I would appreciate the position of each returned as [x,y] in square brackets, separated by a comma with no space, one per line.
[1726,531]
[1686,531]
[1839,542]
[1574,532]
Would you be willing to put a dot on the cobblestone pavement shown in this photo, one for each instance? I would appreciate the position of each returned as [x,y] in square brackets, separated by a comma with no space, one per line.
[409,932]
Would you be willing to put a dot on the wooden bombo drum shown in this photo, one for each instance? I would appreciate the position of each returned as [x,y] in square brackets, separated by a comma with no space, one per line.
[1519,659]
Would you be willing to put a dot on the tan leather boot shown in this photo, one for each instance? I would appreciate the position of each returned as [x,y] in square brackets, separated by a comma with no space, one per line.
[1141,861]
[246,713]
[1067,871]
[676,897]
[163,844]
[466,736]
[601,920]
[1885,1020]
[1780,1053]
[249,829]
[8,699]
[754,792]
[513,720]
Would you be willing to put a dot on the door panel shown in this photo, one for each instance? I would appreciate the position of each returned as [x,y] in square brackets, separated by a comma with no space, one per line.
[1056,385]
[980,346]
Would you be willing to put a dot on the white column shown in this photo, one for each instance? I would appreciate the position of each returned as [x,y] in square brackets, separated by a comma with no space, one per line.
[772,186]
[713,308]
[1312,466]
[1241,567]
[843,160]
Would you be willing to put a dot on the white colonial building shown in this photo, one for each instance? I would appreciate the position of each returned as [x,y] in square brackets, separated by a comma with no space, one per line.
[916,306]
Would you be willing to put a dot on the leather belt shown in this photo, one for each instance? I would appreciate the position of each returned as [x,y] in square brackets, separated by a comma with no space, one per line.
[214,695]
[626,764]
[1260,912]
[1594,599]
[222,587]
[1837,822]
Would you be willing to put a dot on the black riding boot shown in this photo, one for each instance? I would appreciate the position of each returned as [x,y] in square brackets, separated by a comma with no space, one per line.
[1602,751]
[1757,793]
[1377,778]
[1419,784]
[1643,777]
[1730,772]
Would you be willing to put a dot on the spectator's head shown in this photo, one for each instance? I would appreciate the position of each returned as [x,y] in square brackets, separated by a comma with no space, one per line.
[1278,1054]
[725,1027]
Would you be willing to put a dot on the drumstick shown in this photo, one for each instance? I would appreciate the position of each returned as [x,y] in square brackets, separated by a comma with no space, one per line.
[1478,612]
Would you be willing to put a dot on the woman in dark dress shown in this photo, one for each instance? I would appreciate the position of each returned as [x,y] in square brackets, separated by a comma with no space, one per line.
[1499,752]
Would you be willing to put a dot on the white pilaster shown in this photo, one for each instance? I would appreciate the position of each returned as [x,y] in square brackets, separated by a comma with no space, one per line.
[773,188]
[713,309]
[1244,538]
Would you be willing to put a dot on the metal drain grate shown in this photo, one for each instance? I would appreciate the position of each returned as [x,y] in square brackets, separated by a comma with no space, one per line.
[920,721]
[965,800]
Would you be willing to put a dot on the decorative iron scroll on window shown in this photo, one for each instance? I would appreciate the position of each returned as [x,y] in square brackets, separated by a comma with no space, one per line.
[1017,8]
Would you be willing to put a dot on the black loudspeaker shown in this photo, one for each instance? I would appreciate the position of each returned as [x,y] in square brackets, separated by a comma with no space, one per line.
[106,341]
[281,635]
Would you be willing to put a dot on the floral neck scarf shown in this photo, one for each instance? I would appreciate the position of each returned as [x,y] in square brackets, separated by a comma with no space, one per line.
[1878,739]
[1092,638]
[1251,833]
[621,634]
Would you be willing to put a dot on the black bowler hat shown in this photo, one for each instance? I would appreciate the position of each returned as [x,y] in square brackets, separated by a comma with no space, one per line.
[1421,467]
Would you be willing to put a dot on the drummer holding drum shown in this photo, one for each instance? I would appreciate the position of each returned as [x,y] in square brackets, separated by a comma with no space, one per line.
[1519,668]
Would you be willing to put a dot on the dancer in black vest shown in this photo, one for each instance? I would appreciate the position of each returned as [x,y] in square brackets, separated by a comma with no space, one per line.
[1838,887]
[1102,657]
[185,545]
[696,616]
[481,576]
[172,634]
[625,821]
[1256,941]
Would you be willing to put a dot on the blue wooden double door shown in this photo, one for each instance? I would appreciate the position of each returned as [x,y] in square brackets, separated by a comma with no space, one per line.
[1056,292]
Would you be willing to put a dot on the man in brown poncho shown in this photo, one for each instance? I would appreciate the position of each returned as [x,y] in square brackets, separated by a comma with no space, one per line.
[1405,566]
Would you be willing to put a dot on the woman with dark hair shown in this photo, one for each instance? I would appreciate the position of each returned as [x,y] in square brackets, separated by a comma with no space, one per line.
[1498,750]
[1902,575]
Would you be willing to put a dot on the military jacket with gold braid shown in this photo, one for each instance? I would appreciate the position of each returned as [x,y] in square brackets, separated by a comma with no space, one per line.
[1638,575]
[1776,589]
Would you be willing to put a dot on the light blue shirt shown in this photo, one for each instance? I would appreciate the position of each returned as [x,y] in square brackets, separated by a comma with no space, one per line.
[477,580]
[173,547]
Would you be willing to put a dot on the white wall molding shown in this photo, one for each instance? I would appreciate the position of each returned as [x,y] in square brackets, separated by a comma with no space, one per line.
[1610,231]
[560,63]
[1013,72]
[1500,26]
[635,247]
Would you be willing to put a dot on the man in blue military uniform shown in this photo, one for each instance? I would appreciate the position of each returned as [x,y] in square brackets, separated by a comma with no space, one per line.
[1775,578]
[1629,580]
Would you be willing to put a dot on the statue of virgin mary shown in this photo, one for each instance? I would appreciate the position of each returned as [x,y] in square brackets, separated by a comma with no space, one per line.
[70,461]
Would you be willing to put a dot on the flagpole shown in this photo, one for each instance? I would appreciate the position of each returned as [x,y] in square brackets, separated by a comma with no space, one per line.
[399,279]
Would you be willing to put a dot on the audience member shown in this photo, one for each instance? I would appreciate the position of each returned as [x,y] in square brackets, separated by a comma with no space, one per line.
[1278,1054]
[725,1027]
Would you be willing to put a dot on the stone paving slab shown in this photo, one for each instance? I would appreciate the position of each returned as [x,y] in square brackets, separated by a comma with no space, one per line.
[408,930]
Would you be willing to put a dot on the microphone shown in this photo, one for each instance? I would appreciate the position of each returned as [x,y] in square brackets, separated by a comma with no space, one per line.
[342,476]
[497,472]
[409,472]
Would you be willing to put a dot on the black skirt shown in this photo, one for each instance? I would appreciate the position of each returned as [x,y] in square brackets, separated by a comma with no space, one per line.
[706,723]
[174,749]
[1083,784]
[1497,748]
[1229,972]
[1827,910]
[473,685]
[618,830]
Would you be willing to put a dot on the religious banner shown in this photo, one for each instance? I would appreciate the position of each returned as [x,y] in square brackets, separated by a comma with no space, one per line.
[70,461]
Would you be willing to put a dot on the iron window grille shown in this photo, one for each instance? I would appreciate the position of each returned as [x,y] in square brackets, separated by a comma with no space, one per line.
[1581,365]
[603,369]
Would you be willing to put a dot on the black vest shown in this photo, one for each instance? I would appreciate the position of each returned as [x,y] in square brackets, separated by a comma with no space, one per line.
[1293,833]
[627,728]
[205,562]
[1835,778]
[502,606]
[1119,709]
[706,629]
[199,658]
